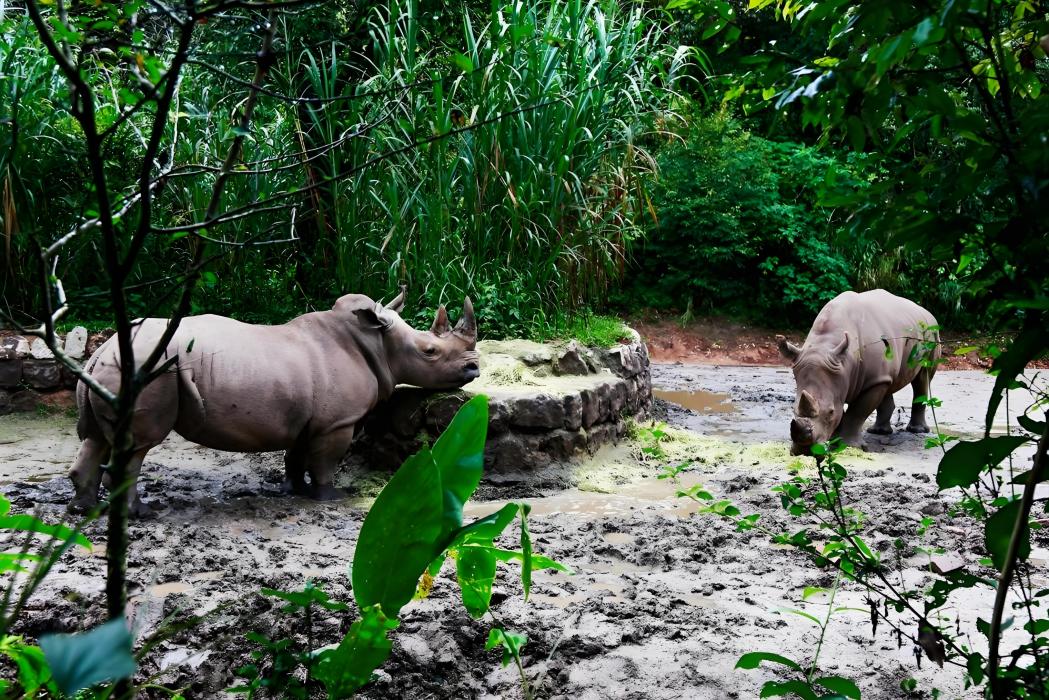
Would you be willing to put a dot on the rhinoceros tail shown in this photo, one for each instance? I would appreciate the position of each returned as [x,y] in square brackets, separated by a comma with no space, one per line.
[86,424]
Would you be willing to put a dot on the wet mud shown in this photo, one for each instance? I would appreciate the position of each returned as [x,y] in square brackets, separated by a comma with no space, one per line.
[662,602]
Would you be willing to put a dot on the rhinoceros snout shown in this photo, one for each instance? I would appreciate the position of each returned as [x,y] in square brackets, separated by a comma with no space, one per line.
[471,371]
[801,431]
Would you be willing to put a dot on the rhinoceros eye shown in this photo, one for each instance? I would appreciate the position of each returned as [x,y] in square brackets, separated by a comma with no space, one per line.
[430,351]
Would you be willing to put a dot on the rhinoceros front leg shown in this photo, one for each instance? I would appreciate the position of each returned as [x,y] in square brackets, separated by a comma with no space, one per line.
[851,427]
[295,470]
[326,451]
[920,386]
[883,421]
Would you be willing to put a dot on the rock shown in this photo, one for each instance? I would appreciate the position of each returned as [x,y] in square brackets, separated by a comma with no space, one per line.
[932,508]
[442,408]
[14,347]
[565,444]
[591,407]
[498,417]
[623,361]
[5,402]
[21,401]
[570,360]
[506,453]
[540,411]
[573,411]
[76,343]
[40,351]
[10,373]
[944,564]
[604,400]
[95,341]
[617,399]
[42,374]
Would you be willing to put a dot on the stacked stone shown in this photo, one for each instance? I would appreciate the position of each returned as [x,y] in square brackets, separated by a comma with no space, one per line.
[530,430]
[29,368]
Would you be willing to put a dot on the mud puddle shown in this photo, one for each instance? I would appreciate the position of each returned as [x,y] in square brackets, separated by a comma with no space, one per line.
[696,400]
[662,603]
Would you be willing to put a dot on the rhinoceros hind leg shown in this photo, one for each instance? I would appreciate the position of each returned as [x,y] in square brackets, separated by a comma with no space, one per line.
[86,474]
[883,420]
[295,471]
[920,386]
[136,508]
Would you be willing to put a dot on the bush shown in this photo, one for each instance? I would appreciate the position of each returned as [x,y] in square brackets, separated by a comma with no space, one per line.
[740,231]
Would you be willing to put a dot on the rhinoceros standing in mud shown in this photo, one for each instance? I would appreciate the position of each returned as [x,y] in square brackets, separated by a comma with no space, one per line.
[299,387]
[862,349]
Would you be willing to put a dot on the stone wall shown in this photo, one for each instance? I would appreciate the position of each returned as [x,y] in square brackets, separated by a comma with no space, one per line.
[29,370]
[547,404]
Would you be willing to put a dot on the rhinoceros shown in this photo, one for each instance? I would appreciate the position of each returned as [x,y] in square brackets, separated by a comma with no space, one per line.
[300,387]
[862,349]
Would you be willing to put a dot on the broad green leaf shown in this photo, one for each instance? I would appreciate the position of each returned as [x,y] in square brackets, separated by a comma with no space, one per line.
[1028,345]
[526,551]
[459,456]
[27,523]
[754,659]
[33,673]
[774,689]
[463,62]
[475,571]
[962,464]
[512,642]
[398,536]
[84,659]
[538,560]
[1031,425]
[839,685]
[348,667]
[998,532]
[485,530]
[309,595]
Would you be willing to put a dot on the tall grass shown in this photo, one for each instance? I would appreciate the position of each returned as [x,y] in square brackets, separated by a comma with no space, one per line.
[532,213]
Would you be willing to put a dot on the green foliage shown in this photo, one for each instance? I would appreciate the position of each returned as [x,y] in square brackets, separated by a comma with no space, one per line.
[740,228]
[84,659]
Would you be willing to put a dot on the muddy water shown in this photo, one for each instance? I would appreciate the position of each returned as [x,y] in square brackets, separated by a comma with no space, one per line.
[662,602]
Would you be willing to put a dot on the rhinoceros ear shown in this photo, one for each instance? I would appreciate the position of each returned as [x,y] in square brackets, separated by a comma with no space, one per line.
[843,346]
[807,405]
[440,322]
[467,326]
[397,305]
[788,349]
[372,318]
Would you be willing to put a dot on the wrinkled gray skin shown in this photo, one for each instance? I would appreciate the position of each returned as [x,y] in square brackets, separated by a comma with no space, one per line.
[299,387]
[862,349]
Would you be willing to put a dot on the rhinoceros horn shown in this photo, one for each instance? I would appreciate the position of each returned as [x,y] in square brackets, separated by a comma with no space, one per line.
[467,326]
[807,406]
[440,322]
[398,301]
[788,349]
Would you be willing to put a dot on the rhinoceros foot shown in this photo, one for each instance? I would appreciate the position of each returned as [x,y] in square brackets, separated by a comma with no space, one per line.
[920,428]
[297,487]
[879,430]
[83,503]
[139,510]
[326,492]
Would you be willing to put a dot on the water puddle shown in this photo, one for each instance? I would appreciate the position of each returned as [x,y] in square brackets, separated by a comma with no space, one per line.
[698,401]
[162,590]
[618,538]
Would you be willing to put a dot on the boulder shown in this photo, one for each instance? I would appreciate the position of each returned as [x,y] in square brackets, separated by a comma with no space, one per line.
[40,351]
[76,343]
[43,375]
[10,373]
[539,411]
[570,360]
[14,347]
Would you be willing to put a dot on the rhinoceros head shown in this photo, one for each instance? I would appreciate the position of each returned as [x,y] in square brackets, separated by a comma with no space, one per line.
[440,358]
[822,385]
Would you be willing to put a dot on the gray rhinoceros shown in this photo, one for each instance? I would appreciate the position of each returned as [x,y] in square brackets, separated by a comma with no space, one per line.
[300,387]
[862,349]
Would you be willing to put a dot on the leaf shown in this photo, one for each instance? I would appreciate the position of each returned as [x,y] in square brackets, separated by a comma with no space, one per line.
[1030,424]
[27,523]
[475,571]
[309,595]
[84,659]
[839,685]
[998,532]
[459,456]
[512,642]
[348,667]
[485,530]
[526,551]
[962,464]
[774,689]
[754,659]
[463,62]
[398,536]
[1029,344]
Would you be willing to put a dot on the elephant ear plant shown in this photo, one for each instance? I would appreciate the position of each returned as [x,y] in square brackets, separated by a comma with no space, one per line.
[414,525]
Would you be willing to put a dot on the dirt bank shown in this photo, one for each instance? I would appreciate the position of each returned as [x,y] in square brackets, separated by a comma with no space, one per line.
[662,604]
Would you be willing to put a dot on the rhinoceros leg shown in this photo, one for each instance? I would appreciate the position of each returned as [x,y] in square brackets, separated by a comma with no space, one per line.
[135,507]
[86,474]
[326,451]
[883,421]
[920,386]
[860,408]
[295,470]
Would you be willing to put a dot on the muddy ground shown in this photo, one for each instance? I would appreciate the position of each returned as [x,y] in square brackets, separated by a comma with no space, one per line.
[663,601]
